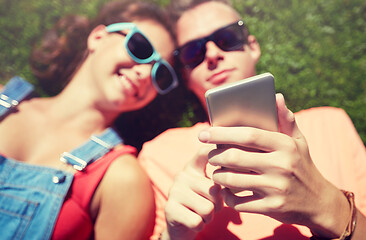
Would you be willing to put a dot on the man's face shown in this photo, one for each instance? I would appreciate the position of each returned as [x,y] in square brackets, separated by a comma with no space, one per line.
[218,66]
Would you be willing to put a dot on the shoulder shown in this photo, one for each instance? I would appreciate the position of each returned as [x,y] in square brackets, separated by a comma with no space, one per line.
[324,117]
[322,112]
[184,130]
[173,142]
[330,125]
[168,153]
[126,170]
[177,135]
[126,201]
[126,187]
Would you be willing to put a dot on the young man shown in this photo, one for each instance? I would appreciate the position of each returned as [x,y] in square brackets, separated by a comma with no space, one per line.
[294,191]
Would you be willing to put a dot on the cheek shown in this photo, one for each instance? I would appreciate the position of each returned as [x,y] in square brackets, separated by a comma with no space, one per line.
[192,80]
[102,62]
[112,53]
[152,95]
[196,84]
[149,97]
[245,66]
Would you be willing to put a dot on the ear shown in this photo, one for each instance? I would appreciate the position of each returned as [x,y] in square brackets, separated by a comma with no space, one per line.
[95,37]
[254,47]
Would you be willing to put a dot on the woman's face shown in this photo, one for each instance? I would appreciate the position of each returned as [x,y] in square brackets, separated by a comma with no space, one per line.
[125,84]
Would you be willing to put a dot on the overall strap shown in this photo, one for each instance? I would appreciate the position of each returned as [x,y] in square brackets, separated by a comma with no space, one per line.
[96,147]
[14,92]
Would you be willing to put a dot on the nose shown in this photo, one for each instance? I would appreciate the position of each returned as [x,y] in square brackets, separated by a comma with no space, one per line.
[142,72]
[213,55]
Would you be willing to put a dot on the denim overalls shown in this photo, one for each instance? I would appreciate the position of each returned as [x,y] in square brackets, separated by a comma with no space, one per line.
[31,196]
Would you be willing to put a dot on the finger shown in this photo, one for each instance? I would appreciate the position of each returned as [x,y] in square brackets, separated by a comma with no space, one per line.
[246,137]
[202,204]
[199,162]
[259,183]
[198,184]
[252,203]
[177,214]
[271,206]
[286,118]
[243,161]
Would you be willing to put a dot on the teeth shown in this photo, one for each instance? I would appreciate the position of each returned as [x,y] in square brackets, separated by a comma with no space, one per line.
[125,82]
[123,78]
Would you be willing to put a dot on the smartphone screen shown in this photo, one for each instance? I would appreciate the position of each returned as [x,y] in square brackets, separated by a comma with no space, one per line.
[249,102]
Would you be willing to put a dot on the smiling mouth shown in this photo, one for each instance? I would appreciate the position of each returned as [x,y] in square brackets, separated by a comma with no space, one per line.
[128,84]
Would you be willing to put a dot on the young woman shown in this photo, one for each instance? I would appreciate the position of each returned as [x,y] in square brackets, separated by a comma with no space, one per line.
[64,171]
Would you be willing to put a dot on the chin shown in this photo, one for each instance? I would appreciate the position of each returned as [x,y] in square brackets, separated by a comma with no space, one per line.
[137,106]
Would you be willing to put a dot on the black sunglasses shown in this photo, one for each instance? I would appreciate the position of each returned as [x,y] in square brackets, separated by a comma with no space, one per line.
[228,38]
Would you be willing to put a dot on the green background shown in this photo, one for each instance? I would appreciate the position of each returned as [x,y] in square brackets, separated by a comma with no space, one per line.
[315,49]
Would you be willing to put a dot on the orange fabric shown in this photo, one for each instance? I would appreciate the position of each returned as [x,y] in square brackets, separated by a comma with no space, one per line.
[335,147]
[74,220]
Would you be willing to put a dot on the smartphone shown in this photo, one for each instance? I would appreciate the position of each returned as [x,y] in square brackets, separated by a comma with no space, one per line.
[250,102]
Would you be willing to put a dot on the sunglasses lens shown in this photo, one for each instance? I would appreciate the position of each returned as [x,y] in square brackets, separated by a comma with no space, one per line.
[140,47]
[229,38]
[192,54]
[163,77]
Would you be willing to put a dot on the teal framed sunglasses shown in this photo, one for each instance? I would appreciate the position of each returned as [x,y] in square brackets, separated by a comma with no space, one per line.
[142,51]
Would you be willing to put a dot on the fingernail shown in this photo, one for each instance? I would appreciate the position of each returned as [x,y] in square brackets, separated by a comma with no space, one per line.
[204,136]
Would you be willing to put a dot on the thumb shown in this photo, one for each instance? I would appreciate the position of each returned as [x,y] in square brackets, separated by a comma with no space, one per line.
[286,118]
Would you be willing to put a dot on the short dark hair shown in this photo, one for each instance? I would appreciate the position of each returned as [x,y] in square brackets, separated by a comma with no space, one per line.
[178,7]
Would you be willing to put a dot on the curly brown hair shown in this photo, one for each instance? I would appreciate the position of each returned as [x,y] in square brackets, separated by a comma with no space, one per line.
[64,47]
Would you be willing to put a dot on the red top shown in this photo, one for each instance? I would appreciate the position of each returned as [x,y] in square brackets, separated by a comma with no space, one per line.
[74,220]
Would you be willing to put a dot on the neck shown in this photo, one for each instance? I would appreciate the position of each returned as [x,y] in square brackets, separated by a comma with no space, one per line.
[77,105]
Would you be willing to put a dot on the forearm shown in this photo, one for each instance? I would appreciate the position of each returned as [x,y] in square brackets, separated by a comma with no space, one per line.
[348,223]
[360,230]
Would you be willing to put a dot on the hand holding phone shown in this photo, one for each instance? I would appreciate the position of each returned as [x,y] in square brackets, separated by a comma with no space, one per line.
[250,102]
